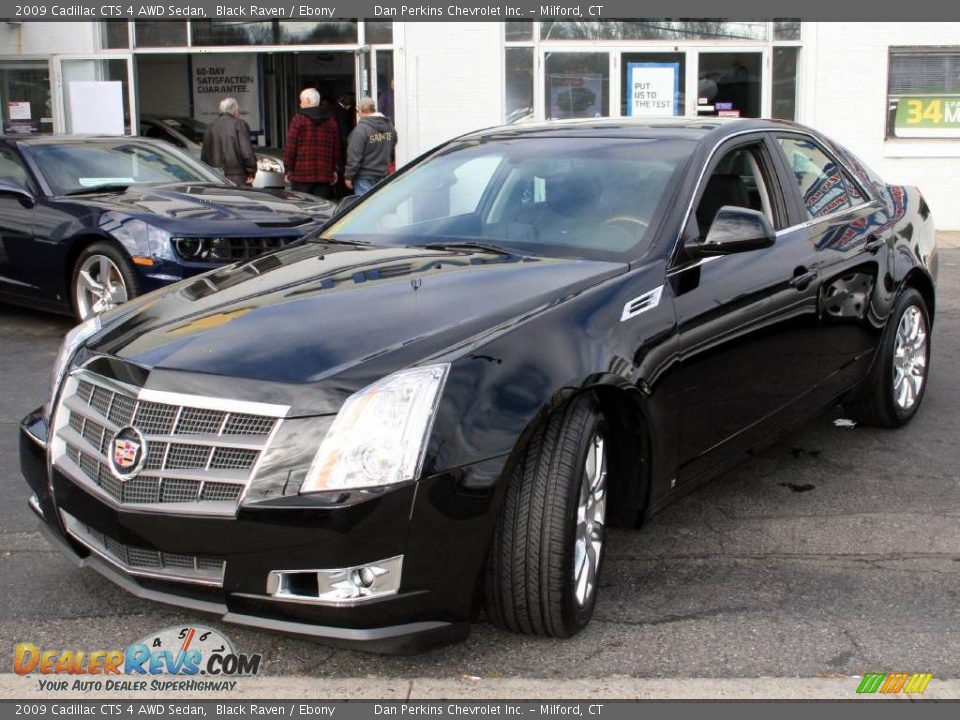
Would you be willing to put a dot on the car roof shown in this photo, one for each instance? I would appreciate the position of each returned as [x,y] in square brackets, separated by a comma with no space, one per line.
[676,128]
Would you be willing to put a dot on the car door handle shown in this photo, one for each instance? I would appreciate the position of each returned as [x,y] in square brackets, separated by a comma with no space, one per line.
[802,278]
[873,244]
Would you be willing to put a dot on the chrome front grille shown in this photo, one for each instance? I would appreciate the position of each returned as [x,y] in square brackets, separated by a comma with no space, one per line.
[201,452]
[141,561]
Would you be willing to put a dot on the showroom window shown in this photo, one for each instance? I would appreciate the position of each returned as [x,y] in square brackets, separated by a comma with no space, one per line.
[923,96]
[651,68]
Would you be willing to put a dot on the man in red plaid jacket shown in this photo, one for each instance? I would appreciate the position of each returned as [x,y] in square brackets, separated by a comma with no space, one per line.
[313,152]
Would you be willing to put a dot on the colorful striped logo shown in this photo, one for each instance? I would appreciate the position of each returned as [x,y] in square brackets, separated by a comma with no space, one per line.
[893,683]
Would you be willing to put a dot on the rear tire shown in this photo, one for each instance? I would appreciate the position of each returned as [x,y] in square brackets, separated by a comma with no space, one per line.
[894,390]
[102,278]
[545,559]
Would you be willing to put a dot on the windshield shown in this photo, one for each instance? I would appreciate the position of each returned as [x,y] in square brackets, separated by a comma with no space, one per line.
[566,197]
[82,165]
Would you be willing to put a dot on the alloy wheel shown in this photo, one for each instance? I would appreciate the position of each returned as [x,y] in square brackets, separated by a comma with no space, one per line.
[99,286]
[591,514]
[910,358]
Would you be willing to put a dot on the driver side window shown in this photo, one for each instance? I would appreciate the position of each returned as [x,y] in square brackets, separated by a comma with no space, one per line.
[736,180]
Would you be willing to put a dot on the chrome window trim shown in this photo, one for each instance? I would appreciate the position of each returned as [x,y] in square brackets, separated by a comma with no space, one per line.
[827,218]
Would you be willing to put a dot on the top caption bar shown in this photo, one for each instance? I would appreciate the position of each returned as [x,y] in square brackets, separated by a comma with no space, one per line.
[73,10]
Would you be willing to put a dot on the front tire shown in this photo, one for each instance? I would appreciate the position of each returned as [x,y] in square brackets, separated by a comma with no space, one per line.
[544,565]
[896,385]
[102,278]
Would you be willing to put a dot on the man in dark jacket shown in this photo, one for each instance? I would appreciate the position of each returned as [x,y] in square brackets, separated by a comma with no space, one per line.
[313,153]
[226,145]
[369,148]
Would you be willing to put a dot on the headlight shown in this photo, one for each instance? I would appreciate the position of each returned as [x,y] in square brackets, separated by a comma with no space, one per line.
[269,164]
[71,343]
[379,436]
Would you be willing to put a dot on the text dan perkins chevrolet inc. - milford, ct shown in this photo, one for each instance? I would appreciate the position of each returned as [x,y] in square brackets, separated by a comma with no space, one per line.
[293,11]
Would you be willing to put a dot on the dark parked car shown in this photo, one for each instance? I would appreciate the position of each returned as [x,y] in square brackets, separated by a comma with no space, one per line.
[445,398]
[88,223]
[187,133]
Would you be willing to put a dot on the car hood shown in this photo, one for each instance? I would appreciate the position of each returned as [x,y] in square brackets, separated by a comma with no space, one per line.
[185,203]
[318,311]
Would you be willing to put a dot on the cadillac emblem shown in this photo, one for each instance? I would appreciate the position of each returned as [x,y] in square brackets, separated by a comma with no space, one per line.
[128,451]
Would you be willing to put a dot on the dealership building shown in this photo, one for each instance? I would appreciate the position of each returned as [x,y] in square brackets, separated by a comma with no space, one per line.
[888,91]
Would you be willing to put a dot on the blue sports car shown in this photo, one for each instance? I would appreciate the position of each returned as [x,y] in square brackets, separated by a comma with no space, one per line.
[87,223]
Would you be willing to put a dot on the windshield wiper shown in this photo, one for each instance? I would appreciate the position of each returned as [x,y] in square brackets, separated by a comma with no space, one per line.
[468,245]
[315,237]
[106,187]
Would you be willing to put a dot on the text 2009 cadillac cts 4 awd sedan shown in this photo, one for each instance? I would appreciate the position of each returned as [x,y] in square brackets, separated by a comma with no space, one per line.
[441,401]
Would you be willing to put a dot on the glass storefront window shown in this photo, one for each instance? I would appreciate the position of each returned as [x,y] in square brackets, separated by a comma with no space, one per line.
[25,98]
[518,88]
[577,85]
[660,79]
[729,84]
[786,30]
[115,35]
[94,70]
[157,33]
[272,32]
[385,101]
[923,99]
[653,30]
[785,83]
[379,32]
[518,30]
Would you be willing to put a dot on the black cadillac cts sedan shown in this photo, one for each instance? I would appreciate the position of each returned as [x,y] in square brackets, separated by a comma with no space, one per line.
[440,402]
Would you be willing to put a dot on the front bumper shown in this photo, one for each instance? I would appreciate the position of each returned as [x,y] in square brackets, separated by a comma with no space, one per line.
[441,526]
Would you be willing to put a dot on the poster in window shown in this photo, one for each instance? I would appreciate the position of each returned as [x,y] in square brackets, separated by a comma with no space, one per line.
[218,77]
[928,117]
[96,107]
[653,89]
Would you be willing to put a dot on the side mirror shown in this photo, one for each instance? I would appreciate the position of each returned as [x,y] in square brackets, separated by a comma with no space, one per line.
[348,202]
[20,193]
[734,230]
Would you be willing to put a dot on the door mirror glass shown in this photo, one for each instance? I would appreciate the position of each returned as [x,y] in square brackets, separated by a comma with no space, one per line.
[348,202]
[736,229]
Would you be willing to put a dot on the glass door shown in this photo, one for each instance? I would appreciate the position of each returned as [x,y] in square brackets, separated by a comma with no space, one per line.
[93,94]
[730,84]
[576,84]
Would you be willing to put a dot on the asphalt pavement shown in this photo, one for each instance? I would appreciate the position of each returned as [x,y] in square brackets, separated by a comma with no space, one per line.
[835,552]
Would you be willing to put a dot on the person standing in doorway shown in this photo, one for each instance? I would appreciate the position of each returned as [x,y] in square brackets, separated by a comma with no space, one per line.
[313,152]
[226,145]
[369,148]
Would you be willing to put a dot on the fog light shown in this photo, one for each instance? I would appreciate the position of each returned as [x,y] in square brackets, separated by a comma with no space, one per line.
[338,585]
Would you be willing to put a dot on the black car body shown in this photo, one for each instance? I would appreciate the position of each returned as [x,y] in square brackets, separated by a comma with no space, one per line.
[562,371]
[174,220]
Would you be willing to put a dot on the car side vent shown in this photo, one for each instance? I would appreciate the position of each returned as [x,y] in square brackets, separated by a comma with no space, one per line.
[641,304]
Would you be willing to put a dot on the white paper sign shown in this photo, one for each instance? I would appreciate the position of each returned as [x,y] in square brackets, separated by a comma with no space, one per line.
[652,89]
[18,110]
[96,107]
[218,77]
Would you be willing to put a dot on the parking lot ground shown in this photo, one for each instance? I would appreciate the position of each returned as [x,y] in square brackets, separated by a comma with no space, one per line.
[833,553]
